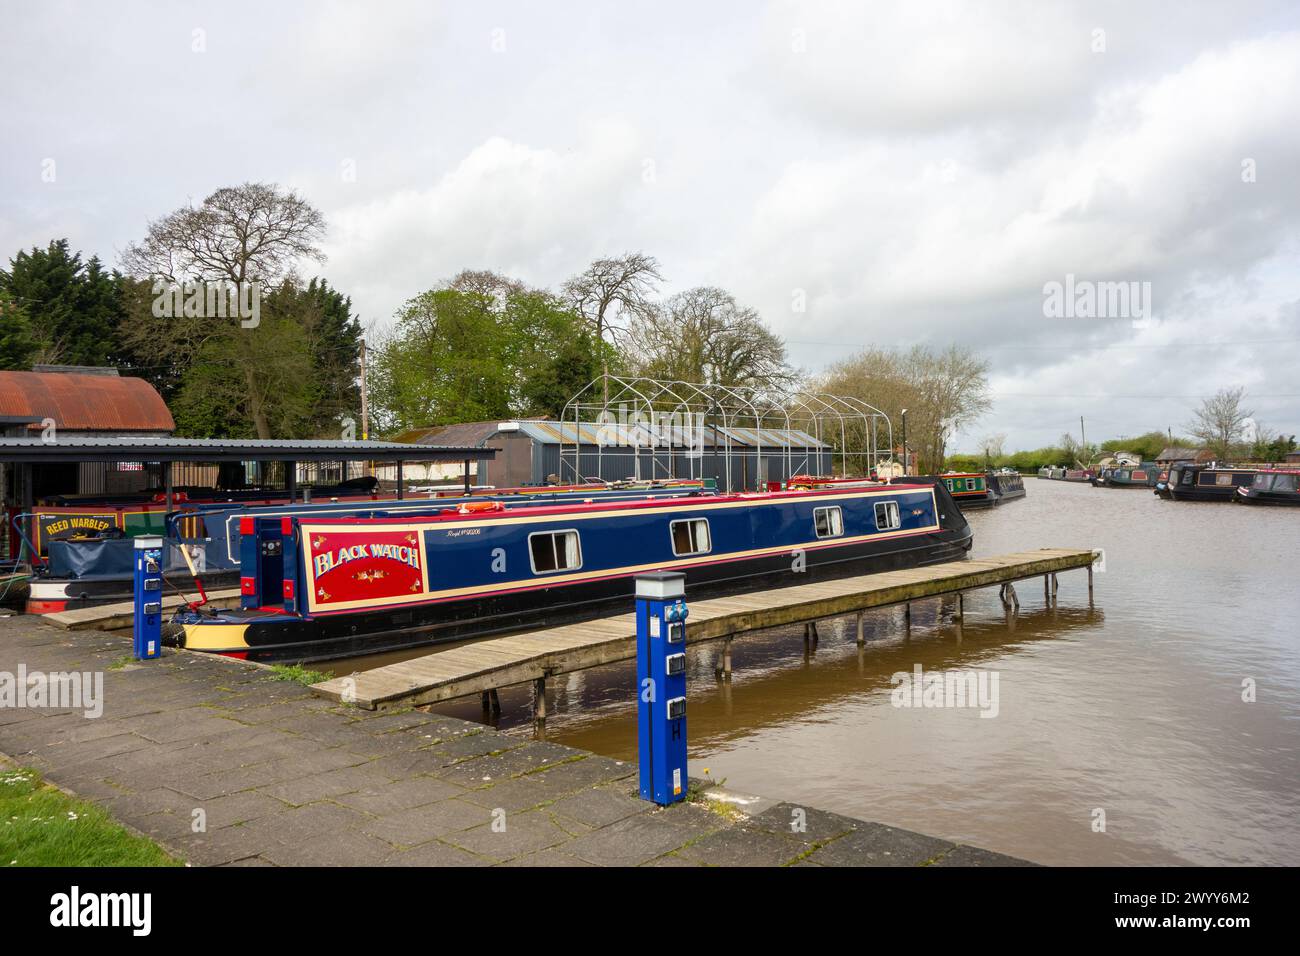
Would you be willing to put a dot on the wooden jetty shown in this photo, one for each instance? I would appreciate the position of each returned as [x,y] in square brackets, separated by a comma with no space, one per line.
[484,666]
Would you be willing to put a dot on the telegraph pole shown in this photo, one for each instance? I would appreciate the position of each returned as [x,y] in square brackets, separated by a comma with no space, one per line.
[365,404]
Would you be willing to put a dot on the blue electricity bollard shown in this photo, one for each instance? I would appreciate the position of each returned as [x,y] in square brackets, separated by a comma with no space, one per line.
[148,597]
[661,680]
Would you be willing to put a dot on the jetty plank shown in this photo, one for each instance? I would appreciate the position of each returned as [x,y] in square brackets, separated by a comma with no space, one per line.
[117,617]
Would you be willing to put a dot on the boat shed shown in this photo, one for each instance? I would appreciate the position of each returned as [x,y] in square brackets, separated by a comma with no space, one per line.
[544,451]
[32,465]
[1175,453]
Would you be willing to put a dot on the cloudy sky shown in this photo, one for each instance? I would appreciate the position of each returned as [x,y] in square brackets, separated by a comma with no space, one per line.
[909,172]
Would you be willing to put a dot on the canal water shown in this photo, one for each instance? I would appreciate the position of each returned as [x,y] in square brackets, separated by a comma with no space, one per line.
[1118,734]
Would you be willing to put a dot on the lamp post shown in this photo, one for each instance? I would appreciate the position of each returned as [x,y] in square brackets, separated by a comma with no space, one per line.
[905,443]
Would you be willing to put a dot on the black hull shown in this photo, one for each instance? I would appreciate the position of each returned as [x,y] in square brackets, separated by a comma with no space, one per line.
[330,637]
[1280,499]
[1203,493]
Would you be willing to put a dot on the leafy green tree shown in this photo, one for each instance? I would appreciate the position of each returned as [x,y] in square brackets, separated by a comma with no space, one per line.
[560,378]
[1147,446]
[1270,446]
[16,342]
[74,307]
[444,362]
[482,346]
[332,335]
[964,463]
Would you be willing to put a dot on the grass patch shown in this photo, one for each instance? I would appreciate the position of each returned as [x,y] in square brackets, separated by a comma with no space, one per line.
[298,674]
[121,662]
[40,825]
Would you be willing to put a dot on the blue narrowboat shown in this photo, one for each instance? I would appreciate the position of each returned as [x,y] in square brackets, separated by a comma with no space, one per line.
[94,569]
[329,587]
[1190,481]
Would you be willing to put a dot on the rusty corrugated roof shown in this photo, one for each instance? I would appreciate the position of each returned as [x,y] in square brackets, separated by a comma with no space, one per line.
[84,403]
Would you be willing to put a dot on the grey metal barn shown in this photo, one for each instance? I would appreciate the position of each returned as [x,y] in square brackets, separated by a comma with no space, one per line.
[535,452]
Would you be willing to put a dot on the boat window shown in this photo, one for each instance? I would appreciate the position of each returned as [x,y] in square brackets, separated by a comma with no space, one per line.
[887,516]
[1261,482]
[1223,479]
[554,551]
[1242,478]
[828,522]
[1284,483]
[691,536]
[1187,477]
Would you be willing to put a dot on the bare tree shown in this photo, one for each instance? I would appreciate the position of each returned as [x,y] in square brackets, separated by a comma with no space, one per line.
[991,446]
[1221,422]
[240,233]
[942,391]
[703,335]
[1071,448]
[609,289]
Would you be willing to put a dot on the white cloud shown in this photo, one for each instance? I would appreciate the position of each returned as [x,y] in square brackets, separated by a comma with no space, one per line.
[536,213]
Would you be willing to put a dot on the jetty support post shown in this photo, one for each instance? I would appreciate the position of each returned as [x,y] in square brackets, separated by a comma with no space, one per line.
[722,671]
[1009,598]
[1090,585]
[861,639]
[539,707]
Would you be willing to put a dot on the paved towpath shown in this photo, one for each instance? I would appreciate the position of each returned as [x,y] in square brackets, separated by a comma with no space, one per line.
[224,765]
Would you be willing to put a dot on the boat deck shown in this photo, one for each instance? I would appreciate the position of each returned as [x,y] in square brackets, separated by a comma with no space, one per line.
[487,665]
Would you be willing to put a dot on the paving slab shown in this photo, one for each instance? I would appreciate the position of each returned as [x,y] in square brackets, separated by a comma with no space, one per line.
[874,844]
[422,824]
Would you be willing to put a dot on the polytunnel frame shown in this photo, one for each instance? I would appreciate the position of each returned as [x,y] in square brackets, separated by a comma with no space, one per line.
[690,405]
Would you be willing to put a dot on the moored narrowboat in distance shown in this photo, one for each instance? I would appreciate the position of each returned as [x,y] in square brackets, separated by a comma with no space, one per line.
[1271,487]
[1059,473]
[1192,481]
[969,489]
[1126,476]
[315,589]
[1007,484]
[980,489]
